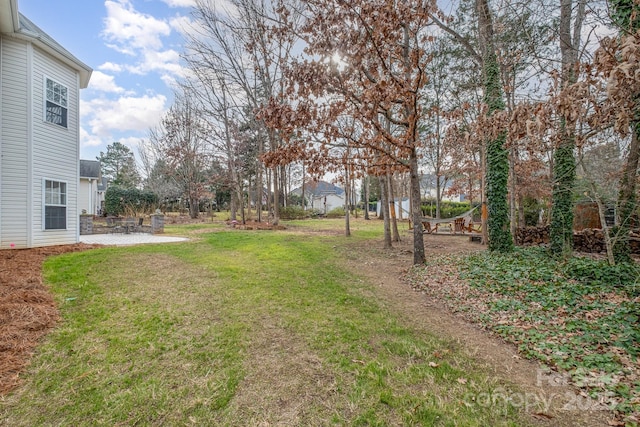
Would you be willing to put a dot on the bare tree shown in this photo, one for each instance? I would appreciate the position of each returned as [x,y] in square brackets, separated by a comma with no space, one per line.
[235,44]
[180,141]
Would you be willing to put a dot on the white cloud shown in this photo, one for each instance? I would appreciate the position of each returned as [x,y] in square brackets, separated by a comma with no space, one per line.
[169,81]
[166,61]
[180,3]
[140,35]
[110,66]
[182,24]
[132,142]
[88,140]
[128,30]
[104,83]
[125,114]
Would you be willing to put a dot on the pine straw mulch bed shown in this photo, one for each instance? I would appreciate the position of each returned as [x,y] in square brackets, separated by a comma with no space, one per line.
[27,308]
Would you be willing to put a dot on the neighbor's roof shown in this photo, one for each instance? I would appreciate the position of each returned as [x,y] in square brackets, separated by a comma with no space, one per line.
[14,23]
[319,188]
[90,169]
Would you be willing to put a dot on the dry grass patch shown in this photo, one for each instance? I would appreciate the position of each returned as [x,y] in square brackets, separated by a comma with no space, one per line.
[238,328]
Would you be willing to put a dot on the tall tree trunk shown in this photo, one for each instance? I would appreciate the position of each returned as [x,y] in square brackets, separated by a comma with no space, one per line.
[269,190]
[384,205]
[626,15]
[438,196]
[347,196]
[627,198]
[564,163]
[392,209]
[233,208]
[249,198]
[512,191]
[366,197]
[259,181]
[194,208]
[416,211]
[484,212]
[276,197]
[304,179]
[497,173]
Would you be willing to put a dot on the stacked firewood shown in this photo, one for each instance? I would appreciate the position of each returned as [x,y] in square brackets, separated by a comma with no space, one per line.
[588,240]
[532,236]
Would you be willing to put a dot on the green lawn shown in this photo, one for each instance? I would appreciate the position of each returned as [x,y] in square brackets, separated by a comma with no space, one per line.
[239,328]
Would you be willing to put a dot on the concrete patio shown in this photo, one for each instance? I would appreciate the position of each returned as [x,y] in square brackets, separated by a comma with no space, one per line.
[122,239]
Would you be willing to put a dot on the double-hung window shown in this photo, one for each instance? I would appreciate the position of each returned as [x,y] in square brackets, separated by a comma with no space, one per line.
[55,205]
[56,103]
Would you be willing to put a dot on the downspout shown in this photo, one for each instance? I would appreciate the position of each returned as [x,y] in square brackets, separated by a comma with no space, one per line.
[30,187]
[77,182]
[1,94]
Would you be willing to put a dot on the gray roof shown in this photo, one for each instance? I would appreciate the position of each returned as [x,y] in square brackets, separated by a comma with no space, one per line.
[90,169]
[319,188]
[33,32]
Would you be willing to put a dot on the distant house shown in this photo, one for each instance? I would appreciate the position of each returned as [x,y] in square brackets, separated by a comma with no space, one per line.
[102,188]
[402,207]
[40,84]
[90,181]
[321,195]
[428,188]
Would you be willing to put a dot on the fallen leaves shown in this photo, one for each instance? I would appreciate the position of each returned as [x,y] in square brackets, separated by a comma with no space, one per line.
[581,326]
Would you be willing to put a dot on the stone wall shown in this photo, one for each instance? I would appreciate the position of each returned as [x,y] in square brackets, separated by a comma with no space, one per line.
[86,224]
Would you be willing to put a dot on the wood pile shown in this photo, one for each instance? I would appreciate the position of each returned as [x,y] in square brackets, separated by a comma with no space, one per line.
[589,240]
[532,236]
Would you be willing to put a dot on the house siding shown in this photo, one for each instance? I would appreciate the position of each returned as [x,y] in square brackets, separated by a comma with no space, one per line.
[14,168]
[55,149]
[86,196]
[33,150]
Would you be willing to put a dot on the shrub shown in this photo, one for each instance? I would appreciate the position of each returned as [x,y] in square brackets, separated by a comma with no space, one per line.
[336,212]
[293,212]
[447,209]
[119,201]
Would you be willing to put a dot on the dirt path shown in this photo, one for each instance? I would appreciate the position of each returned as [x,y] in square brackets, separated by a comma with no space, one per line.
[548,400]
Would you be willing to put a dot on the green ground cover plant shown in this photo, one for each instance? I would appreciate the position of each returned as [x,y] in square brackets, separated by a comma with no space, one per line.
[238,328]
[579,316]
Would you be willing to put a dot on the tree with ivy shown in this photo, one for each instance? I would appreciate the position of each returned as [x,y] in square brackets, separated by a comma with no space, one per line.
[564,163]
[497,173]
[626,16]
[118,165]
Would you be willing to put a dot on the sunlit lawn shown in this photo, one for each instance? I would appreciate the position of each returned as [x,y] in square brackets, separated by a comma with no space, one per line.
[239,328]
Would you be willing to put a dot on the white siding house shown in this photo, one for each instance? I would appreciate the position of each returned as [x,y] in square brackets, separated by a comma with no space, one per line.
[40,83]
[322,196]
[90,179]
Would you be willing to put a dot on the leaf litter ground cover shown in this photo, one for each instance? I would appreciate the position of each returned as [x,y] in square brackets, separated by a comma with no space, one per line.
[580,317]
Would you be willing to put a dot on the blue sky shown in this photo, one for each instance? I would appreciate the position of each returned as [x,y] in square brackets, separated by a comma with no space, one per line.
[134,48]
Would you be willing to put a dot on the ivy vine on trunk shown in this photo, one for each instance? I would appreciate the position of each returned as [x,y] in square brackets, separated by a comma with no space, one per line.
[626,16]
[497,173]
[561,228]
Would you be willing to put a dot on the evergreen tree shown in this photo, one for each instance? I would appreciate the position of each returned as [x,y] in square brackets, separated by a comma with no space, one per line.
[119,166]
